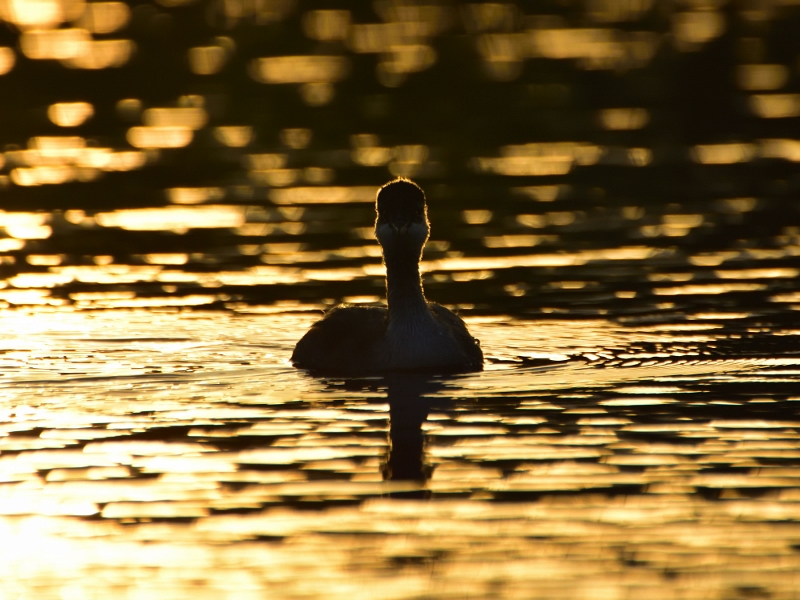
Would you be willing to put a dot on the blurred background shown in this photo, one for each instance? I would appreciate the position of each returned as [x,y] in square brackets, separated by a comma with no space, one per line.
[629,158]
[613,190]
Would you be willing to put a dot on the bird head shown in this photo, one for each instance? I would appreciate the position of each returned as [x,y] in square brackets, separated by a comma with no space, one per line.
[402,222]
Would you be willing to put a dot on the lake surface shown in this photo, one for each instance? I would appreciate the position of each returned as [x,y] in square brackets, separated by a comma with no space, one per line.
[179,455]
[612,187]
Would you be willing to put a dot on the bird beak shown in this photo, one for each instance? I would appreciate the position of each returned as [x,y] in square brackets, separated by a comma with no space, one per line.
[400,227]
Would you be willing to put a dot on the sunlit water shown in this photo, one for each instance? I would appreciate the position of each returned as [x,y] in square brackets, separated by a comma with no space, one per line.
[613,194]
[177,455]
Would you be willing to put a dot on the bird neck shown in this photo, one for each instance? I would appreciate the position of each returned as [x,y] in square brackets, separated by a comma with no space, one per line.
[404,294]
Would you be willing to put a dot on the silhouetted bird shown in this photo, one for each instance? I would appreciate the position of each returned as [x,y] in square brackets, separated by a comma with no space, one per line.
[410,334]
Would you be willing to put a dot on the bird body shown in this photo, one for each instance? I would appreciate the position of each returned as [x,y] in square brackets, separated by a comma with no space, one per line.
[410,334]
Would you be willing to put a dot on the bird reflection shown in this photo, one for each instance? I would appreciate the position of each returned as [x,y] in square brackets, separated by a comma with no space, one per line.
[409,406]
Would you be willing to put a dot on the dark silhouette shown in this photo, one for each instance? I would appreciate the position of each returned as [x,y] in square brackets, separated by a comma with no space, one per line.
[408,411]
[410,334]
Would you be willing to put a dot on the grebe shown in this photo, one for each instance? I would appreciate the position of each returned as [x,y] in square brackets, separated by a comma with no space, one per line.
[410,334]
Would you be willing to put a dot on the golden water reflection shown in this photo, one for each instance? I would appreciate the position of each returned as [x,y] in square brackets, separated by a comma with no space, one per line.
[184,444]
[322,233]
[634,433]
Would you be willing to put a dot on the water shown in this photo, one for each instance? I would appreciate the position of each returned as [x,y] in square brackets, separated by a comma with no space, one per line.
[612,187]
[178,454]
